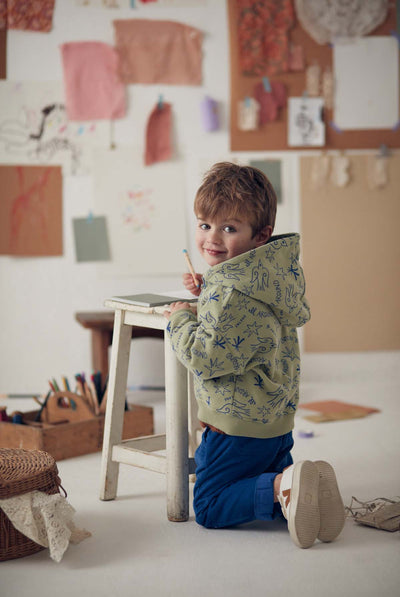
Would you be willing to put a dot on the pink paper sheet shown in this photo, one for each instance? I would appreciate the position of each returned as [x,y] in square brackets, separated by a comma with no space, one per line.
[158,52]
[93,88]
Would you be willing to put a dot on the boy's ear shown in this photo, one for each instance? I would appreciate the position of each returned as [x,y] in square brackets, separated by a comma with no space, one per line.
[263,235]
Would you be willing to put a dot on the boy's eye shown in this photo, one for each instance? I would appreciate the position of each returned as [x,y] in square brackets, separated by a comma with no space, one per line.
[204,226]
[229,229]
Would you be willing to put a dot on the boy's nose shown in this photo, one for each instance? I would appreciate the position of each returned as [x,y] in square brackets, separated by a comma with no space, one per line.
[214,236]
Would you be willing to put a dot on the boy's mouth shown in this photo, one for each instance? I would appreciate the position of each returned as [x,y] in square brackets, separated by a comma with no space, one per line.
[214,253]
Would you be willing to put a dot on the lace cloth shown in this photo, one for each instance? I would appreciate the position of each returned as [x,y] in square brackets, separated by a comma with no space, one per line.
[45,519]
[325,20]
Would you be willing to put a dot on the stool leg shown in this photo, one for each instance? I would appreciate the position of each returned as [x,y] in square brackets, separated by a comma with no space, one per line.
[176,406]
[114,418]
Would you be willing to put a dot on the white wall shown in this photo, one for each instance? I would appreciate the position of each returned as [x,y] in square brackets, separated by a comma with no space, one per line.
[39,336]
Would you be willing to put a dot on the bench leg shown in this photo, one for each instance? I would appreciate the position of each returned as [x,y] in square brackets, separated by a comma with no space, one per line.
[176,406]
[114,418]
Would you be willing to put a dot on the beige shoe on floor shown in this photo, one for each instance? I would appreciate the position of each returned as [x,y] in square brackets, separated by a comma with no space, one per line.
[298,497]
[331,507]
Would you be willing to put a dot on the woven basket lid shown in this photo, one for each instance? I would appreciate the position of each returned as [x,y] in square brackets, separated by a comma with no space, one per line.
[22,471]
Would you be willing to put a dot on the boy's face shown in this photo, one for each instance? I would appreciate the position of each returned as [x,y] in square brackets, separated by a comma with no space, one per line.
[222,238]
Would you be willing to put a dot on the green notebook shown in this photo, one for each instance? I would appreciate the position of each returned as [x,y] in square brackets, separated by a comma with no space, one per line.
[150,300]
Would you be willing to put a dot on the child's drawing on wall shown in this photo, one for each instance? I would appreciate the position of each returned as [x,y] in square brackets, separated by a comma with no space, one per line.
[137,208]
[34,128]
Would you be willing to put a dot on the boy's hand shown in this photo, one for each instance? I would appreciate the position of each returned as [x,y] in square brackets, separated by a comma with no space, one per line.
[189,284]
[179,305]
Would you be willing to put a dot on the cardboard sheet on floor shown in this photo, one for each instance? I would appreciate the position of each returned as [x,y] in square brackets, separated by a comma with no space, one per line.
[335,410]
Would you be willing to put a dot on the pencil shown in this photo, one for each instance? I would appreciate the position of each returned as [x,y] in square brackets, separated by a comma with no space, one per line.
[190,266]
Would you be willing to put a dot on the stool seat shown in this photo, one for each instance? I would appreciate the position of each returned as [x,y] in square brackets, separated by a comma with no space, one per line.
[23,471]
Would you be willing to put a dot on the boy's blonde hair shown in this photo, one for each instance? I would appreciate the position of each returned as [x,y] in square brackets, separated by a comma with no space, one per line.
[231,190]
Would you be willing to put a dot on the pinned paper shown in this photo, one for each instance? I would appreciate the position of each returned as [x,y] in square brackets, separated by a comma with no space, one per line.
[142,206]
[91,239]
[153,51]
[34,128]
[209,114]
[306,125]
[158,134]
[92,85]
[272,170]
[248,114]
[360,102]
[340,170]
[271,95]
[31,210]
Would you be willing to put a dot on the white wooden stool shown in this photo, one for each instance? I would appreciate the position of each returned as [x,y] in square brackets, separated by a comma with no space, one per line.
[176,463]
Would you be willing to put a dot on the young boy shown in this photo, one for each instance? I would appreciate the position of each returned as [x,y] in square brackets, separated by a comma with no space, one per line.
[243,350]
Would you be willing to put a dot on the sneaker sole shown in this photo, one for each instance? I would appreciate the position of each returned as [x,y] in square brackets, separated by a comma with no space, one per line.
[331,507]
[304,517]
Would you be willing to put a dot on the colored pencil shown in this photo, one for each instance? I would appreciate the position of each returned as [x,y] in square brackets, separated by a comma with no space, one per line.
[191,269]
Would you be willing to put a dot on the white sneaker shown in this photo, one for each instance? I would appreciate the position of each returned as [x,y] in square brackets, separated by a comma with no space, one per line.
[298,497]
[331,507]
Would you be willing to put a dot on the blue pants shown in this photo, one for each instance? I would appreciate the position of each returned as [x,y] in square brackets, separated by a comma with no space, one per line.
[235,478]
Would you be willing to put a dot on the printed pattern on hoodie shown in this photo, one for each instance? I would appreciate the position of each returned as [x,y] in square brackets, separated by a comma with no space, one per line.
[242,347]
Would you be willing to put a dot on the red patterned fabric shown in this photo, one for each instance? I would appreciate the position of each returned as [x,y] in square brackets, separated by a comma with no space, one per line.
[263,27]
[28,15]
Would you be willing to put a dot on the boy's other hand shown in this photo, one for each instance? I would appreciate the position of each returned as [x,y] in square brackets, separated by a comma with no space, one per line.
[177,307]
[190,285]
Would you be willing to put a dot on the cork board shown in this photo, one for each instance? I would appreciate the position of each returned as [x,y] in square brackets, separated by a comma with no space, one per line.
[273,135]
[351,258]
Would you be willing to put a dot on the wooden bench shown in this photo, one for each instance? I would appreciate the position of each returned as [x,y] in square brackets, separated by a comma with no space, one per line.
[101,324]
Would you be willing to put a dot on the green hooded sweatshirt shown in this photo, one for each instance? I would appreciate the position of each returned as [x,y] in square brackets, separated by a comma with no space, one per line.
[242,347]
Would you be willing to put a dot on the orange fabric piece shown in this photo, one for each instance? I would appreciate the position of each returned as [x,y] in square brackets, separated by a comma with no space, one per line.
[158,135]
[158,52]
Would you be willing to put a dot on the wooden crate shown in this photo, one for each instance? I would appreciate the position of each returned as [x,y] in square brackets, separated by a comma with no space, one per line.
[66,440]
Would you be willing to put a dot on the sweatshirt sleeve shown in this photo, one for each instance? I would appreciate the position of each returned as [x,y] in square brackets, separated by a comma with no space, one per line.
[223,339]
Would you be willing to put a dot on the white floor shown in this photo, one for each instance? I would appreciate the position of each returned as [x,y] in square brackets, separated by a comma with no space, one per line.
[135,551]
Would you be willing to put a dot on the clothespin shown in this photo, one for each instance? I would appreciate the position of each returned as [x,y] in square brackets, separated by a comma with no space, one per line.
[160,102]
[396,35]
[247,101]
[90,216]
[384,151]
[335,127]
[267,84]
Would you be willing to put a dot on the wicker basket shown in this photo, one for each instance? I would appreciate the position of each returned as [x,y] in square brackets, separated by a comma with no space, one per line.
[22,471]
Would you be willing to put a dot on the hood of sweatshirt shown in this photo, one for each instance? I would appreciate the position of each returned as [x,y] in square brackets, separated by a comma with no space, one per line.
[271,274]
